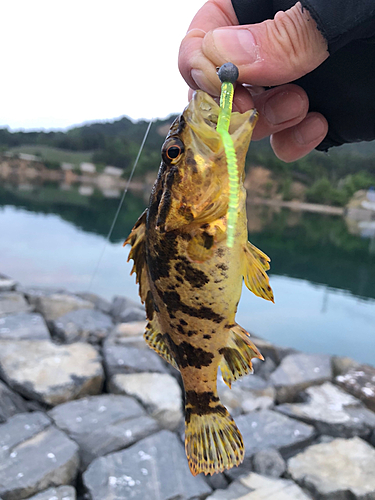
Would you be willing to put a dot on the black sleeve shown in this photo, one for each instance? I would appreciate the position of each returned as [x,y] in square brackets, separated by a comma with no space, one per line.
[343,87]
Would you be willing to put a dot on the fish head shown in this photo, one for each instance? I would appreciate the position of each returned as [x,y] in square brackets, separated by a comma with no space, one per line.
[194,165]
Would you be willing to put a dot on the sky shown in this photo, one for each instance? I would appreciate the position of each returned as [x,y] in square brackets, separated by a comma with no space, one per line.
[67,63]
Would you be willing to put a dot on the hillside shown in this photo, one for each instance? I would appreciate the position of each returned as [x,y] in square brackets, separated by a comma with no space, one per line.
[320,177]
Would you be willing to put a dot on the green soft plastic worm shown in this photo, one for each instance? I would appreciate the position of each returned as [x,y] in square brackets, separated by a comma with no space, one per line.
[228,74]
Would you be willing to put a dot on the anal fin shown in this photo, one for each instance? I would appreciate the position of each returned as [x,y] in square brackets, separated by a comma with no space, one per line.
[155,340]
[237,355]
[255,276]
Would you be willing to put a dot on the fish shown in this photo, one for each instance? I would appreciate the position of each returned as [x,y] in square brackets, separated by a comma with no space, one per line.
[190,280]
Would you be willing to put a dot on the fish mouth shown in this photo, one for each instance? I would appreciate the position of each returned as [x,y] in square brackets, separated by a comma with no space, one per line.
[202,115]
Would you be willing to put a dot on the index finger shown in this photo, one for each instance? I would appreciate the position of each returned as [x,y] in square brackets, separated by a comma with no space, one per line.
[197,70]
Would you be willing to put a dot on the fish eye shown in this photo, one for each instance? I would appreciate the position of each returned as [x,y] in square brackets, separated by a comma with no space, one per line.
[172,151]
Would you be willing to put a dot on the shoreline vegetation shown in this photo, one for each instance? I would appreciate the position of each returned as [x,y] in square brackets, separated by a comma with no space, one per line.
[320,178]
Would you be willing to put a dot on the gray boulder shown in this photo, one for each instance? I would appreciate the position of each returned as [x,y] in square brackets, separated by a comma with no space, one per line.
[129,334]
[299,371]
[87,325]
[125,310]
[51,373]
[10,403]
[247,394]
[332,411]
[30,326]
[154,468]
[7,284]
[54,305]
[160,393]
[124,359]
[99,303]
[262,430]
[360,381]
[34,456]
[342,469]
[269,463]
[103,424]
[12,303]
[59,493]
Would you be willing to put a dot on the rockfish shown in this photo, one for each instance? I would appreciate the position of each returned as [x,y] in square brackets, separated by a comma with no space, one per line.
[190,281]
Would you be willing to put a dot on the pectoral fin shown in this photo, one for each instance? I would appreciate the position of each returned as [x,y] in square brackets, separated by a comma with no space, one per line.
[237,355]
[256,263]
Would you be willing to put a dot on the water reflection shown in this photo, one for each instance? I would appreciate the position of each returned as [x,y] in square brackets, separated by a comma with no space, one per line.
[323,276]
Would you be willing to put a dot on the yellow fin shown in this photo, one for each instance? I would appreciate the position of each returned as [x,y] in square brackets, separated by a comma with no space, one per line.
[255,276]
[155,340]
[213,442]
[237,355]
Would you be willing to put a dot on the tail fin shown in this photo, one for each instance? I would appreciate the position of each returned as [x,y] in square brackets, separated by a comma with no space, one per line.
[213,442]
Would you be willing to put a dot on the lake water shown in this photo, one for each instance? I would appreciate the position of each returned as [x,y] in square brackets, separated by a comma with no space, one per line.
[322,274]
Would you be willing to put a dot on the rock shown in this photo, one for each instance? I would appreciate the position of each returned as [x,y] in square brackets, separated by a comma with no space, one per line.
[103,424]
[299,371]
[269,463]
[54,305]
[21,326]
[59,493]
[267,488]
[10,403]
[341,364]
[99,303]
[129,334]
[32,293]
[276,353]
[34,456]
[154,468]
[125,310]
[217,481]
[235,491]
[263,368]
[120,359]
[7,284]
[256,487]
[360,382]
[332,412]
[266,429]
[13,302]
[51,373]
[87,325]
[248,394]
[159,392]
[342,469]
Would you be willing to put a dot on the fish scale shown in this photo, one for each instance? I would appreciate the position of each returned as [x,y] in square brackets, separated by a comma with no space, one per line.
[191,281]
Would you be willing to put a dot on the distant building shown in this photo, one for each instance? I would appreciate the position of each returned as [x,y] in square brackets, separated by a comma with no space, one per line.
[114,171]
[26,157]
[88,168]
[66,166]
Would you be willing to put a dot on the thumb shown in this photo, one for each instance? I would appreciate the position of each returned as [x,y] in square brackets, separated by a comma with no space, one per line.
[273,52]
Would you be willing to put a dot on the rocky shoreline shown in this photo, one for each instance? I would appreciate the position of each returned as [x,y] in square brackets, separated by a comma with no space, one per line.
[88,411]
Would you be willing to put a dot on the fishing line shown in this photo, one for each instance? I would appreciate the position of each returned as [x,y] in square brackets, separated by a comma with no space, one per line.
[120,204]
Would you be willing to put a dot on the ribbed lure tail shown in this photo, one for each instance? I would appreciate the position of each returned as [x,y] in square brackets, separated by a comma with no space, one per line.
[213,442]
[228,74]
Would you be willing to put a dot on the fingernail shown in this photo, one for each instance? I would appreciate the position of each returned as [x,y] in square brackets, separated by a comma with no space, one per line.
[282,107]
[311,129]
[202,83]
[237,45]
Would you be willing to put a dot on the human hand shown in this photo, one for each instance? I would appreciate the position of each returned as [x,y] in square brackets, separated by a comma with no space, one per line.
[271,53]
